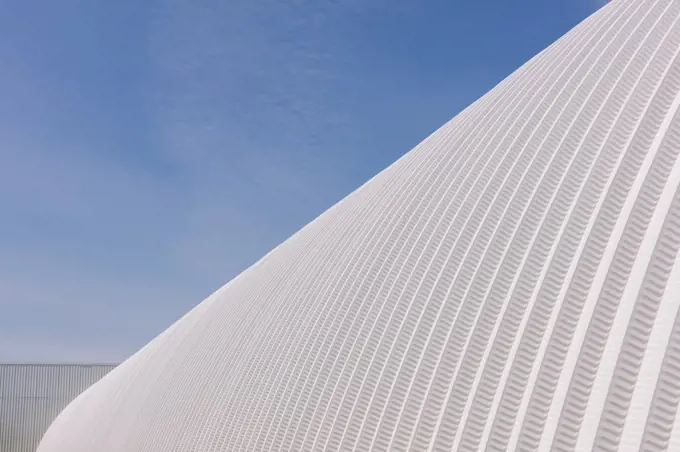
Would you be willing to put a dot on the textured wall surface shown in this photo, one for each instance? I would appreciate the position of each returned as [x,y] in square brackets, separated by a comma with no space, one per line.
[512,283]
[31,396]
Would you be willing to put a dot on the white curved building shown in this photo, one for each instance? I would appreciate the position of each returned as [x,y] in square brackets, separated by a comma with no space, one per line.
[512,283]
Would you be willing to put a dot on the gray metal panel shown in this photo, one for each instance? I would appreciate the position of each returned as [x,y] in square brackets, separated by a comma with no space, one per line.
[32,395]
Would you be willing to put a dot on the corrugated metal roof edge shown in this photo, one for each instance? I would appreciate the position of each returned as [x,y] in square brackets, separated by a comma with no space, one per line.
[59,364]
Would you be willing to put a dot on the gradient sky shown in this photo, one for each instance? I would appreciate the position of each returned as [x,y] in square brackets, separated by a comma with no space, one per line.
[151,150]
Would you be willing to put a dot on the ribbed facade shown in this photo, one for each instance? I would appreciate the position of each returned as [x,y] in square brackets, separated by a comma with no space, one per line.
[512,283]
[32,395]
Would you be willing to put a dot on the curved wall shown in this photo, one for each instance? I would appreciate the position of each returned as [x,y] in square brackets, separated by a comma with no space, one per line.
[509,284]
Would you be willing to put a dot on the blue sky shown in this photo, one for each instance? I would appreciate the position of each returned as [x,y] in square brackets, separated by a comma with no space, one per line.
[151,150]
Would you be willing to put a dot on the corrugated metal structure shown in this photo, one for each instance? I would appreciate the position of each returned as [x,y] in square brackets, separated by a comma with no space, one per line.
[32,395]
[511,284]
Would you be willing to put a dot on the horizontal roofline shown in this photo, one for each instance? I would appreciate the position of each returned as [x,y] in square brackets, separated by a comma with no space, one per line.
[58,364]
